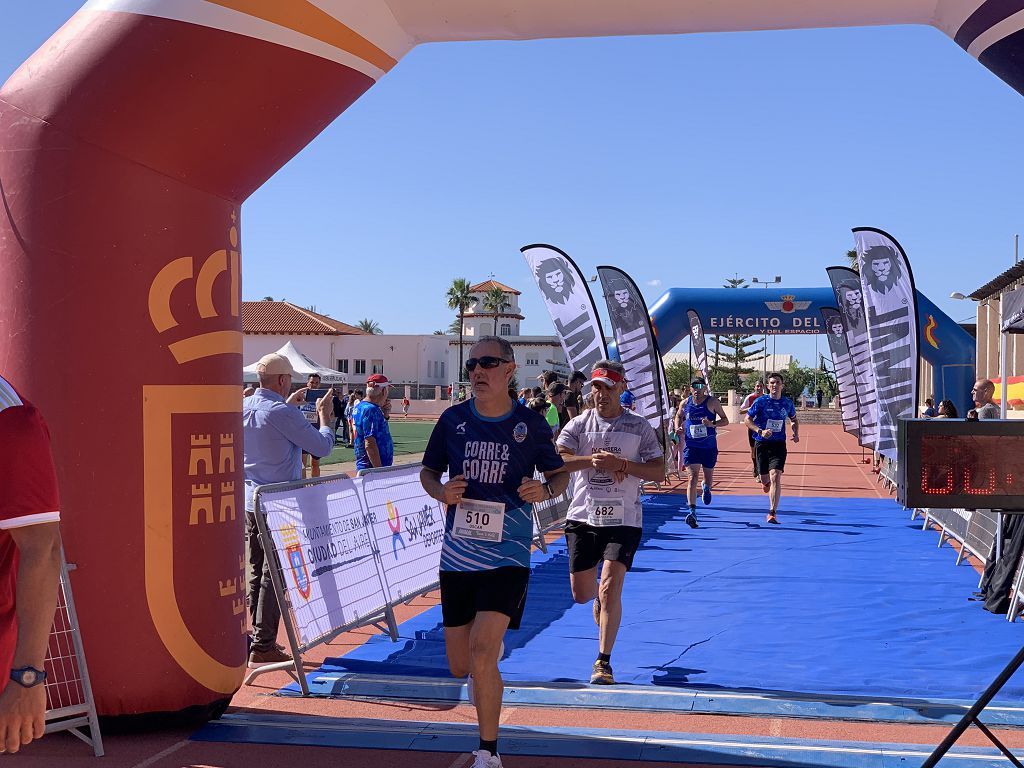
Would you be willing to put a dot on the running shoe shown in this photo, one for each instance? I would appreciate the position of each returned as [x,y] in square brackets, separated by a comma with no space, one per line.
[485,759]
[691,520]
[602,674]
[705,494]
[772,519]
[597,611]
[757,474]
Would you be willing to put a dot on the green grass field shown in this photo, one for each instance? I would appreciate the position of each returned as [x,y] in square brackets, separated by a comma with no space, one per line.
[409,437]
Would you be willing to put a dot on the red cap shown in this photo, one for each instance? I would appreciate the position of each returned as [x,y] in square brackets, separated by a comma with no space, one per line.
[378,380]
[606,376]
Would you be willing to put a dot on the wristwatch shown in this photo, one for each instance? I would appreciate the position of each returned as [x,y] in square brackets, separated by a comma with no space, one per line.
[547,487]
[28,677]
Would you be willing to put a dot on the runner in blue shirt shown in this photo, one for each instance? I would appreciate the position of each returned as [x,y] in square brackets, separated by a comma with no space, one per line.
[702,414]
[491,446]
[767,420]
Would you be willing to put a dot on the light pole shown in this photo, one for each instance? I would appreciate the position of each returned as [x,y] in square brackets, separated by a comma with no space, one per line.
[766,284]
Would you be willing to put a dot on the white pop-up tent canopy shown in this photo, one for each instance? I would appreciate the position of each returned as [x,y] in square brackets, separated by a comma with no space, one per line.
[303,365]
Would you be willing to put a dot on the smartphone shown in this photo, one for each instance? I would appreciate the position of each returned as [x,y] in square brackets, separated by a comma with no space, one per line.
[312,395]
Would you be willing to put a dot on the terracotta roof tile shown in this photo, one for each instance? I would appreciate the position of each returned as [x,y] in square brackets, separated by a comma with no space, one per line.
[486,285]
[281,318]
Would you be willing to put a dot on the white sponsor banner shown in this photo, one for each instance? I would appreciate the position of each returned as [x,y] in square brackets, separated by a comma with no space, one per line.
[850,298]
[835,330]
[890,302]
[568,300]
[326,554]
[408,528]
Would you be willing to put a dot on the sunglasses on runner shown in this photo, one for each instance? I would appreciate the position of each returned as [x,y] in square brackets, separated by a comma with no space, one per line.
[487,362]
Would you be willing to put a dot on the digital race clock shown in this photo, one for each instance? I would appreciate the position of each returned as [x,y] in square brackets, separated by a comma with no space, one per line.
[956,464]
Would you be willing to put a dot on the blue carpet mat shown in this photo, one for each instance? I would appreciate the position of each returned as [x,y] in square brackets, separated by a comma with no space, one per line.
[846,597]
[583,743]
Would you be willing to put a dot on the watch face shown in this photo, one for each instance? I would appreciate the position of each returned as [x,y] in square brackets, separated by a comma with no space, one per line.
[29,677]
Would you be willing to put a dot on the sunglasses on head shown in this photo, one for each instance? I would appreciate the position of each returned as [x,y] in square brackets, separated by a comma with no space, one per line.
[487,362]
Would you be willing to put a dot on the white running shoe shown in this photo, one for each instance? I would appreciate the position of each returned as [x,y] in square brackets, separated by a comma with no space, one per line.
[485,759]
[469,680]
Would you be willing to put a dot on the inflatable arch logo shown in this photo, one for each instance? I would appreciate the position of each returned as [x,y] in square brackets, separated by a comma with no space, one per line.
[127,145]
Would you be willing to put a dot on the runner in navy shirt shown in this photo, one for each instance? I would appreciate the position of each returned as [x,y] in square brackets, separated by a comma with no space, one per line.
[702,414]
[490,446]
[767,420]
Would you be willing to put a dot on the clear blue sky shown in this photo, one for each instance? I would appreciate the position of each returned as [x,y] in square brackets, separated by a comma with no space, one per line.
[683,159]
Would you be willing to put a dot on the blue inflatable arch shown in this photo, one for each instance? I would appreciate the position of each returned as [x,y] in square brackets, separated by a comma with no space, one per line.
[945,345]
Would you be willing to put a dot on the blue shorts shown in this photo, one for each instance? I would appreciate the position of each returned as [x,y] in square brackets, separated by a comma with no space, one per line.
[706,456]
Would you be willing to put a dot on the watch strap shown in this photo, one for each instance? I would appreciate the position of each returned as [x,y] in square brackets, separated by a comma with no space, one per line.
[18,676]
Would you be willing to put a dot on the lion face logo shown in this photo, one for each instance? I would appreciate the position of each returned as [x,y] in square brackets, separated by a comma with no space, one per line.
[555,279]
[881,268]
[622,297]
[851,301]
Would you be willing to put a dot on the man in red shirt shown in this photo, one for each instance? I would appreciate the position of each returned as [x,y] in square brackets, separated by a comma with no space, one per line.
[29,566]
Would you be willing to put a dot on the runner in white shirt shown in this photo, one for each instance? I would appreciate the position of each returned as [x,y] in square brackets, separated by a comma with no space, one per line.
[611,450]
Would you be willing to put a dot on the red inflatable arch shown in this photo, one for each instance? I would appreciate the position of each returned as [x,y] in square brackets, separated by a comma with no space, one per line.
[128,143]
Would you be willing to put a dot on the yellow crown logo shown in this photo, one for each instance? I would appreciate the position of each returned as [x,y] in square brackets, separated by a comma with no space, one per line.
[290,537]
[182,270]
[788,297]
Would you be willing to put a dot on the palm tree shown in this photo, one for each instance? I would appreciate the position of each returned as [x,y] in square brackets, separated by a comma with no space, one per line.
[460,298]
[496,300]
[369,326]
[851,256]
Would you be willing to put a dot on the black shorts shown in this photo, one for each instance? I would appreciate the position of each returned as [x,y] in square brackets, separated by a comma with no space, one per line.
[590,544]
[465,593]
[771,454]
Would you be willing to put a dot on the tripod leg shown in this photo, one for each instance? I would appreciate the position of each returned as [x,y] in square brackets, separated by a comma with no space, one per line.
[971,716]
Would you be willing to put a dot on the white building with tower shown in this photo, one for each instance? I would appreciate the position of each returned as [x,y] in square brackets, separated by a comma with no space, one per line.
[534,354]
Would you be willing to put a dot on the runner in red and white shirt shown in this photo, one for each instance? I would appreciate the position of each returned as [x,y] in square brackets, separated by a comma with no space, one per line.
[29,566]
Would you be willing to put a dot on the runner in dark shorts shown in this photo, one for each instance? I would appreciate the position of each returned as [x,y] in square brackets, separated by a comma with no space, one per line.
[611,450]
[701,415]
[767,420]
[491,446]
[747,402]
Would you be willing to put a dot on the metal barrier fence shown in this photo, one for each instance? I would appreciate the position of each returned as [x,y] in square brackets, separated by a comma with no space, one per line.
[975,530]
[344,552]
[549,515]
[887,474]
[70,705]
